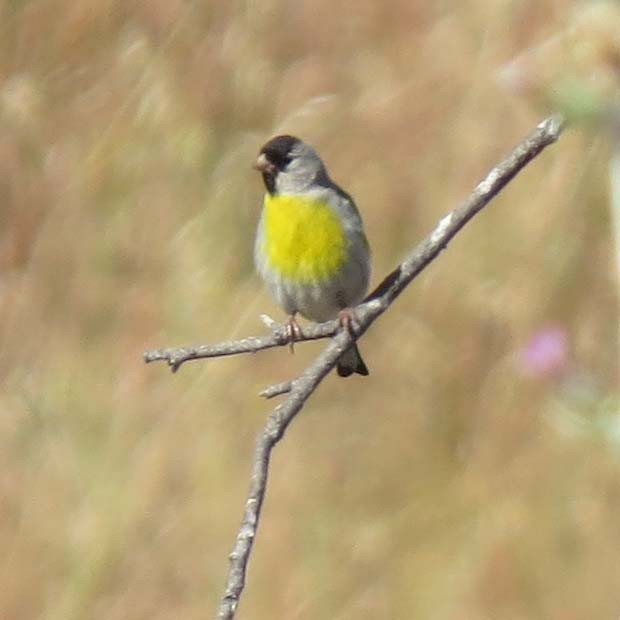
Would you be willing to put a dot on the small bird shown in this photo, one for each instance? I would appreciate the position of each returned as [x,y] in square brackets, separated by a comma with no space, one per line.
[310,248]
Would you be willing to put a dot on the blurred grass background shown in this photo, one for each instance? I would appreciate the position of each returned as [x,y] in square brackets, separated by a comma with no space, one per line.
[473,475]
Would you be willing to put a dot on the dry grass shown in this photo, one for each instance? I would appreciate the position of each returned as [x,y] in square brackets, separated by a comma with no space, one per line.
[454,483]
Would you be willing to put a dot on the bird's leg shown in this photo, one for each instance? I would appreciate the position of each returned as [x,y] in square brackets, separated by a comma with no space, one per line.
[348,320]
[293,331]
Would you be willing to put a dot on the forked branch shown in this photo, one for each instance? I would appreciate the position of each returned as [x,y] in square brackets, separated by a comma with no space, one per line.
[302,387]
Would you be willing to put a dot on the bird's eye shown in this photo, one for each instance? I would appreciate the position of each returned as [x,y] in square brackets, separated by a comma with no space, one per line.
[278,159]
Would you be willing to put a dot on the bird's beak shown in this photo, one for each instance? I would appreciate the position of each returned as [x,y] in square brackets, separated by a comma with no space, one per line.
[262,164]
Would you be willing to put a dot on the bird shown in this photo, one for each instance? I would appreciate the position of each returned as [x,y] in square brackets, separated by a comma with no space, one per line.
[311,249]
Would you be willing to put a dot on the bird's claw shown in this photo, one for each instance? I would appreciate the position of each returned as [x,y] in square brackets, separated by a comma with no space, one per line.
[348,320]
[293,332]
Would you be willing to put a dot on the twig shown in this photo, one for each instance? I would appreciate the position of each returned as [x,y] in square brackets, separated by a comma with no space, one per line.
[175,357]
[302,387]
[276,390]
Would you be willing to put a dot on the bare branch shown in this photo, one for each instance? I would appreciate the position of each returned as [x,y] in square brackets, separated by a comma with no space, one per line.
[302,387]
[277,338]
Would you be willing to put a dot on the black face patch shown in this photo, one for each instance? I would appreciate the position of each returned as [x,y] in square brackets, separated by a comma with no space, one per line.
[269,179]
[278,153]
[278,150]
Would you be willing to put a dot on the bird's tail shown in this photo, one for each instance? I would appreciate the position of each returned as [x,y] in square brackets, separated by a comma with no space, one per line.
[351,361]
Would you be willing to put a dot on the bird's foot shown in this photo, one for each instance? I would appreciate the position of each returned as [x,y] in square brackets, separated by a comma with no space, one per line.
[293,332]
[348,320]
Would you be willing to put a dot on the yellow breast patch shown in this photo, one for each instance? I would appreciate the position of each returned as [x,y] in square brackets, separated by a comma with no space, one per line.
[304,239]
